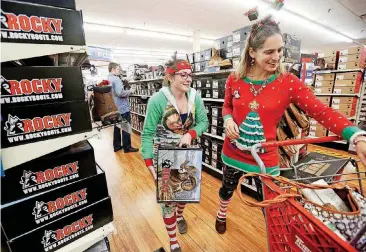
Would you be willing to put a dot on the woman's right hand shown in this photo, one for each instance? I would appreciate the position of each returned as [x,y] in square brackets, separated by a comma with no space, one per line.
[152,171]
[231,129]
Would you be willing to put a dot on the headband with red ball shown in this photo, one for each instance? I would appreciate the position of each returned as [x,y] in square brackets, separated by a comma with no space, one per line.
[180,66]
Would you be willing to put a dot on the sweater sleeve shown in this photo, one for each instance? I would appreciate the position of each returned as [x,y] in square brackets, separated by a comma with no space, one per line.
[227,108]
[118,87]
[201,119]
[153,117]
[334,121]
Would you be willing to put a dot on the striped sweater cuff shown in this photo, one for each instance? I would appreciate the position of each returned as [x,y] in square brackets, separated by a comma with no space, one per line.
[351,132]
[149,162]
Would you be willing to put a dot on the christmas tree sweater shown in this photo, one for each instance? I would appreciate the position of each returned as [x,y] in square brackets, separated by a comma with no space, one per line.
[163,120]
[257,117]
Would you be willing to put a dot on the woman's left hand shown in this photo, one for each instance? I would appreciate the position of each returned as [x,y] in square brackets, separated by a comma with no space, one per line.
[185,140]
[361,151]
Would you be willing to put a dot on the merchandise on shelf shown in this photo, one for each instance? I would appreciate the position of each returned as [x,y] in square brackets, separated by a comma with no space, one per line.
[241,34]
[46,207]
[55,169]
[352,58]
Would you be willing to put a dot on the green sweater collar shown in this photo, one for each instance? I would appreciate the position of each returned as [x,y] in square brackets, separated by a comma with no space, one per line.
[260,82]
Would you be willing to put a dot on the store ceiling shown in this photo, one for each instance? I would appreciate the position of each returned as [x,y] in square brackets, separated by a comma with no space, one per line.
[215,19]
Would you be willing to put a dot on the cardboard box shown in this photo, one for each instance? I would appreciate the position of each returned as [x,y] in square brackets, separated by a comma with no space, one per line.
[325,77]
[58,168]
[48,206]
[328,53]
[216,111]
[226,53]
[197,67]
[208,54]
[319,131]
[61,232]
[179,168]
[324,83]
[324,99]
[323,90]
[218,93]
[241,34]
[344,100]
[345,83]
[22,86]
[344,107]
[216,130]
[347,113]
[206,93]
[330,60]
[344,90]
[28,124]
[349,76]
[206,82]
[351,58]
[238,49]
[224,42]
[352,50]
[197,57]
[350,65]
[219,83]
[236,62]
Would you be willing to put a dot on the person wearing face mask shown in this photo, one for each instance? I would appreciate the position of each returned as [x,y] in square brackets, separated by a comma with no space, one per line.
[256,97]
[175,112]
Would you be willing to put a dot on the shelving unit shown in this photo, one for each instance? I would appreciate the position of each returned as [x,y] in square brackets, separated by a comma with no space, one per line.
[213,100]
[212,168]
[137,114]
[214,136]
[338,71]
[346,95]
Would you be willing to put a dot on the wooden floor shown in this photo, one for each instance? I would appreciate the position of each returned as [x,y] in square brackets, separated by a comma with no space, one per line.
[137,216]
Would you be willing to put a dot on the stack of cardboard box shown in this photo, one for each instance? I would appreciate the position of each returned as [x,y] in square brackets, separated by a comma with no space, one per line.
[352,58]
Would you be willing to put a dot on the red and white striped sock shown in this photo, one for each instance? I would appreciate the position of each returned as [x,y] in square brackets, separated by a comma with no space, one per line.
[171,225]
[180,208]
[221,214]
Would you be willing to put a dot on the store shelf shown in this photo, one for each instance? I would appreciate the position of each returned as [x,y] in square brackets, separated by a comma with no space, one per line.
[136,130]
[142,96]
[213,100]
[141,81]
[24,50]
[214,73]
[20,154]
[212,168]
[214,136]
[338,71]
[89,240]
[357,95]
[137,113]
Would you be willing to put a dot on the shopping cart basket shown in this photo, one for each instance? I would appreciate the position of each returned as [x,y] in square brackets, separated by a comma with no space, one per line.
[290,227]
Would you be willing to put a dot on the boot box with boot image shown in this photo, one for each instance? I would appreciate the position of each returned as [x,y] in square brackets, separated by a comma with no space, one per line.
[353,50]
[179,175]
[324,168]
[217,121]
[324,83]
[323,90]
[226,53]
[57,234]
[22,86]
[325,99]
[206,93]
[216,130]
[29,124]
[241,34]
[218,93]
[345,100]
[349,76]
[344,90]
[219,83]
[351,65]
[325,77]
[216,111]
[55,169]
[41,209]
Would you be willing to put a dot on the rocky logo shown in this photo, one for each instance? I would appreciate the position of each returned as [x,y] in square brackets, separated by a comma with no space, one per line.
[34,181]
[45,25]
[14,125]
[53,239]
[46,211]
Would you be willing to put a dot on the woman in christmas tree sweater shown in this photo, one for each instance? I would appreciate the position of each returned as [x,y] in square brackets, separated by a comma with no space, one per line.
[256,98]
[175,114]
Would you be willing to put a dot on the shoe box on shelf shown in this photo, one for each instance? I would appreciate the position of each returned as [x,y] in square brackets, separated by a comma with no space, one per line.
[328,59]
[292,48]
[348,83]
[138,105]
[352,58]
[316,129]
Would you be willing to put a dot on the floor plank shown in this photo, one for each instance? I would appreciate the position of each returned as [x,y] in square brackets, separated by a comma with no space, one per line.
[137,216]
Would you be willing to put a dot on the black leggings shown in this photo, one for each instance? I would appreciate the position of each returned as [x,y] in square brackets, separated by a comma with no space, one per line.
[230,182]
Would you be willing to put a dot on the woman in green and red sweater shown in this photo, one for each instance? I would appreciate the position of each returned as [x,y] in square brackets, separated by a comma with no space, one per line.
[256,97]
[175,113]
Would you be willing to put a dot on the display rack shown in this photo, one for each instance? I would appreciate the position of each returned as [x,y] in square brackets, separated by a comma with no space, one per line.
[214,136]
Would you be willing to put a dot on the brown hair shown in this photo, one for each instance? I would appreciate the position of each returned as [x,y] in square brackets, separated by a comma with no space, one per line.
[112,65]
[260,31]
[171,64]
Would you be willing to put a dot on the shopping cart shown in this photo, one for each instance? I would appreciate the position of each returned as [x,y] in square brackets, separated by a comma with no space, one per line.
[290,227]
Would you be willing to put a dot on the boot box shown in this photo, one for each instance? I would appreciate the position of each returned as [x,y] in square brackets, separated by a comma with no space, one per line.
[236,62]
[41,24]
[206,82]
[206,93]
[191,58]
[344,90]
[238,48]
[241,34]
[28,124]
[67,4]
[345,83]
[204,65]
[58,168]
[43,208]
[216,111]
[216,130]
[39,85]
[197,67]
[224,42]
[323,90]
[207,160]
[199,57]
[328,53]
[347,107]
[207,153]
[330,60]
[347,113]
[351,65]
[215,155]
[324,99]
[63,231]
[208,54]
[349,76]
[219,83]
[226,53]
[217,146]
[345,100]
[324,77]
[350,58]
[317,131]
[328,83]
[218,93]
[352,50]
[206,141]
[217,121]
[208,109]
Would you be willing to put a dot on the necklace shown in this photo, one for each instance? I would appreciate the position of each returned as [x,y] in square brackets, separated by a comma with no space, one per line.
[257,92]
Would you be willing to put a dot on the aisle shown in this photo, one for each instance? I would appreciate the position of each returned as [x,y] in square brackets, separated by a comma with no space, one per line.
[137,217]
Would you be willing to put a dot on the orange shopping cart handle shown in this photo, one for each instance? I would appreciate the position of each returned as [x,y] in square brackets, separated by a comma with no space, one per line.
[301,141]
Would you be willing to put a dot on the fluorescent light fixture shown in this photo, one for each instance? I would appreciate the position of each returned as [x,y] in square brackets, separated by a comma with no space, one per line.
[138,32]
